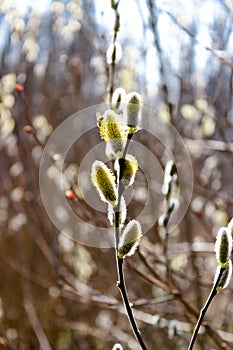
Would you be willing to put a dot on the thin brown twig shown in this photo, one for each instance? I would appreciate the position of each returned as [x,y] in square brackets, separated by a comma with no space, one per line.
[112,65]
[24,272]
[192,35]
[153,23]
[203,311]
[109,302]
[187,306]
[33,319]
[28,118]
[180,247]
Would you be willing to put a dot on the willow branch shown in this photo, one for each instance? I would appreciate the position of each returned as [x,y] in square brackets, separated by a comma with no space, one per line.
[204,310]
[121,281]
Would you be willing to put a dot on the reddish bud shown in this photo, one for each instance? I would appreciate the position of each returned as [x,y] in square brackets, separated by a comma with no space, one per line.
[18,88]
[70,194]
[28,129]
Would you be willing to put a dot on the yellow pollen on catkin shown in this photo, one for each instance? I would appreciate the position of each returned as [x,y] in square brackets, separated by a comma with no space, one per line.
[129,170]
[130,239]
[223,246]
[104,181]
[113,130]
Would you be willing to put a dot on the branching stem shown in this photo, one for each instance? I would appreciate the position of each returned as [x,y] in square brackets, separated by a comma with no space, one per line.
[203,311]
[119,262]
[28,117]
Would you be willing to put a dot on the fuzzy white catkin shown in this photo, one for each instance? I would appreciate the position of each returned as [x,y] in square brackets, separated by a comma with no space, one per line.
[113,130]
[104,181]
[130,239]
[118,99]
[169,169]
[133,111]
[223,246]
[168,177]
[129,170]
[226,276]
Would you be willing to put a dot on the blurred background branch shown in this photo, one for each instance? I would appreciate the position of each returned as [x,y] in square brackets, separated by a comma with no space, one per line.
[58,294]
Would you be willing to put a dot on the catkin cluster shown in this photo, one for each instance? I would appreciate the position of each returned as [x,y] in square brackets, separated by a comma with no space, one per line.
[115,126]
